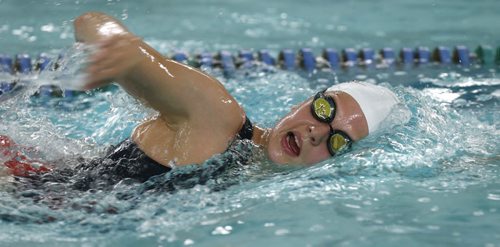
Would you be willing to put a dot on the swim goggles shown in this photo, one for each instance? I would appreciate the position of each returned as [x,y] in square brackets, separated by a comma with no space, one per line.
[323,108]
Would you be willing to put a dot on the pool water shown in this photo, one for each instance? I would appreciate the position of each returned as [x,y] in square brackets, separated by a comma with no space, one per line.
[430,179]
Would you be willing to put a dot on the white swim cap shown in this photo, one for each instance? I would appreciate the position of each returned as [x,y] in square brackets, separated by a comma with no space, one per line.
[375,101]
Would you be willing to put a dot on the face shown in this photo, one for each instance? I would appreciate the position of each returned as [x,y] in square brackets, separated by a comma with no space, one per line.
[299,138]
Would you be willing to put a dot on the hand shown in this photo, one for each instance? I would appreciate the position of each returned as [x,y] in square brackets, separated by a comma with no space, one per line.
[115,56]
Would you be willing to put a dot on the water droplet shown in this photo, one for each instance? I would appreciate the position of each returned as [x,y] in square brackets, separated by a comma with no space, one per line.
[188,242]
[269,224]
[49,27]
[352,206]
[424,199]
[281,232]
[494,197]
[222,230]
[478,213]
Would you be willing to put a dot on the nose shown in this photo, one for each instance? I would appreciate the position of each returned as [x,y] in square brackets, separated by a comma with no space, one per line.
[318,133]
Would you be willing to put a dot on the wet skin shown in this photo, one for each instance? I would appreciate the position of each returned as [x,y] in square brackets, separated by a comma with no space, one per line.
[299,138]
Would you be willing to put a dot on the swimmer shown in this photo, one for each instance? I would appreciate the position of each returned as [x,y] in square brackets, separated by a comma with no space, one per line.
[197,117]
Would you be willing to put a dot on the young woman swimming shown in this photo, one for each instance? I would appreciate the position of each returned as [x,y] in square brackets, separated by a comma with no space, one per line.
[197,118]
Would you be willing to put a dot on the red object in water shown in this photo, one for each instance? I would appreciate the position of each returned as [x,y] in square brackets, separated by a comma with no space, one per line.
[5,143]
[23,169]
[19,164]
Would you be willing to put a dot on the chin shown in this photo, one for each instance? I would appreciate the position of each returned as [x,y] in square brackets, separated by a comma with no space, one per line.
[274,152]
[275,157]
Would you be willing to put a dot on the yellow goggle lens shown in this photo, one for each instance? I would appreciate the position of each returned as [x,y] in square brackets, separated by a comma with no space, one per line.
[338,142]
[322,108]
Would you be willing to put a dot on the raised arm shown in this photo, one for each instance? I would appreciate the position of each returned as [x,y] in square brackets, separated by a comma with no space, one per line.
[177,91]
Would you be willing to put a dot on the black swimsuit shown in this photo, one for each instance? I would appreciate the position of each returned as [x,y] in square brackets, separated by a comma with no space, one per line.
[126,163]
[127,160]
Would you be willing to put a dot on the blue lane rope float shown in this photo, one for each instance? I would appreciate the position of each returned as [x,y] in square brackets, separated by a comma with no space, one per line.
[180,57]
[204,59]
[367,56]
[245,55]
[388,57]
[43,61]
[423,55]
[265,57]
[442,55]
[6,65]
[307,59]
[227,62]
[332,57]
[6,68]
[287,59]
[349,57]
[245,59]
[23,63]
[461,55]
[406,55]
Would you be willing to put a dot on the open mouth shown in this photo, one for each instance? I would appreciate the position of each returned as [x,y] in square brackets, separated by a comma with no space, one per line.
[291,144]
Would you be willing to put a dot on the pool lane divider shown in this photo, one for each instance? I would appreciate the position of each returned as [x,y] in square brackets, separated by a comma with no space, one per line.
[367,56]
[245,59]
[287,59]
[349,57]
[461,55]
[407,57]
[265,57]
[332,57]
[307,59]
[23,64]
[423,55]
[442,55]
[204,60]
[388,56]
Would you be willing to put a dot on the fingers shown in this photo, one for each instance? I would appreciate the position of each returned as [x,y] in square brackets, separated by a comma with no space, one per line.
[103,62]
[113,58]
[107,65]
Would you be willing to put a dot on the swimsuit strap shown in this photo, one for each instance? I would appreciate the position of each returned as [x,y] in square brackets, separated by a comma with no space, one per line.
[246,132]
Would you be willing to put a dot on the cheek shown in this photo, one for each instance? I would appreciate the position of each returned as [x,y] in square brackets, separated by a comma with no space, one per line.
[316,155]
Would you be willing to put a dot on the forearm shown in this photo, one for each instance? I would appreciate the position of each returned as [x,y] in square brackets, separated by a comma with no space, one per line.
[174,89]
[142,80]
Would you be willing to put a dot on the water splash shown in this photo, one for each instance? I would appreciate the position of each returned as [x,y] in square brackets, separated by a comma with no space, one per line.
[432,145]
